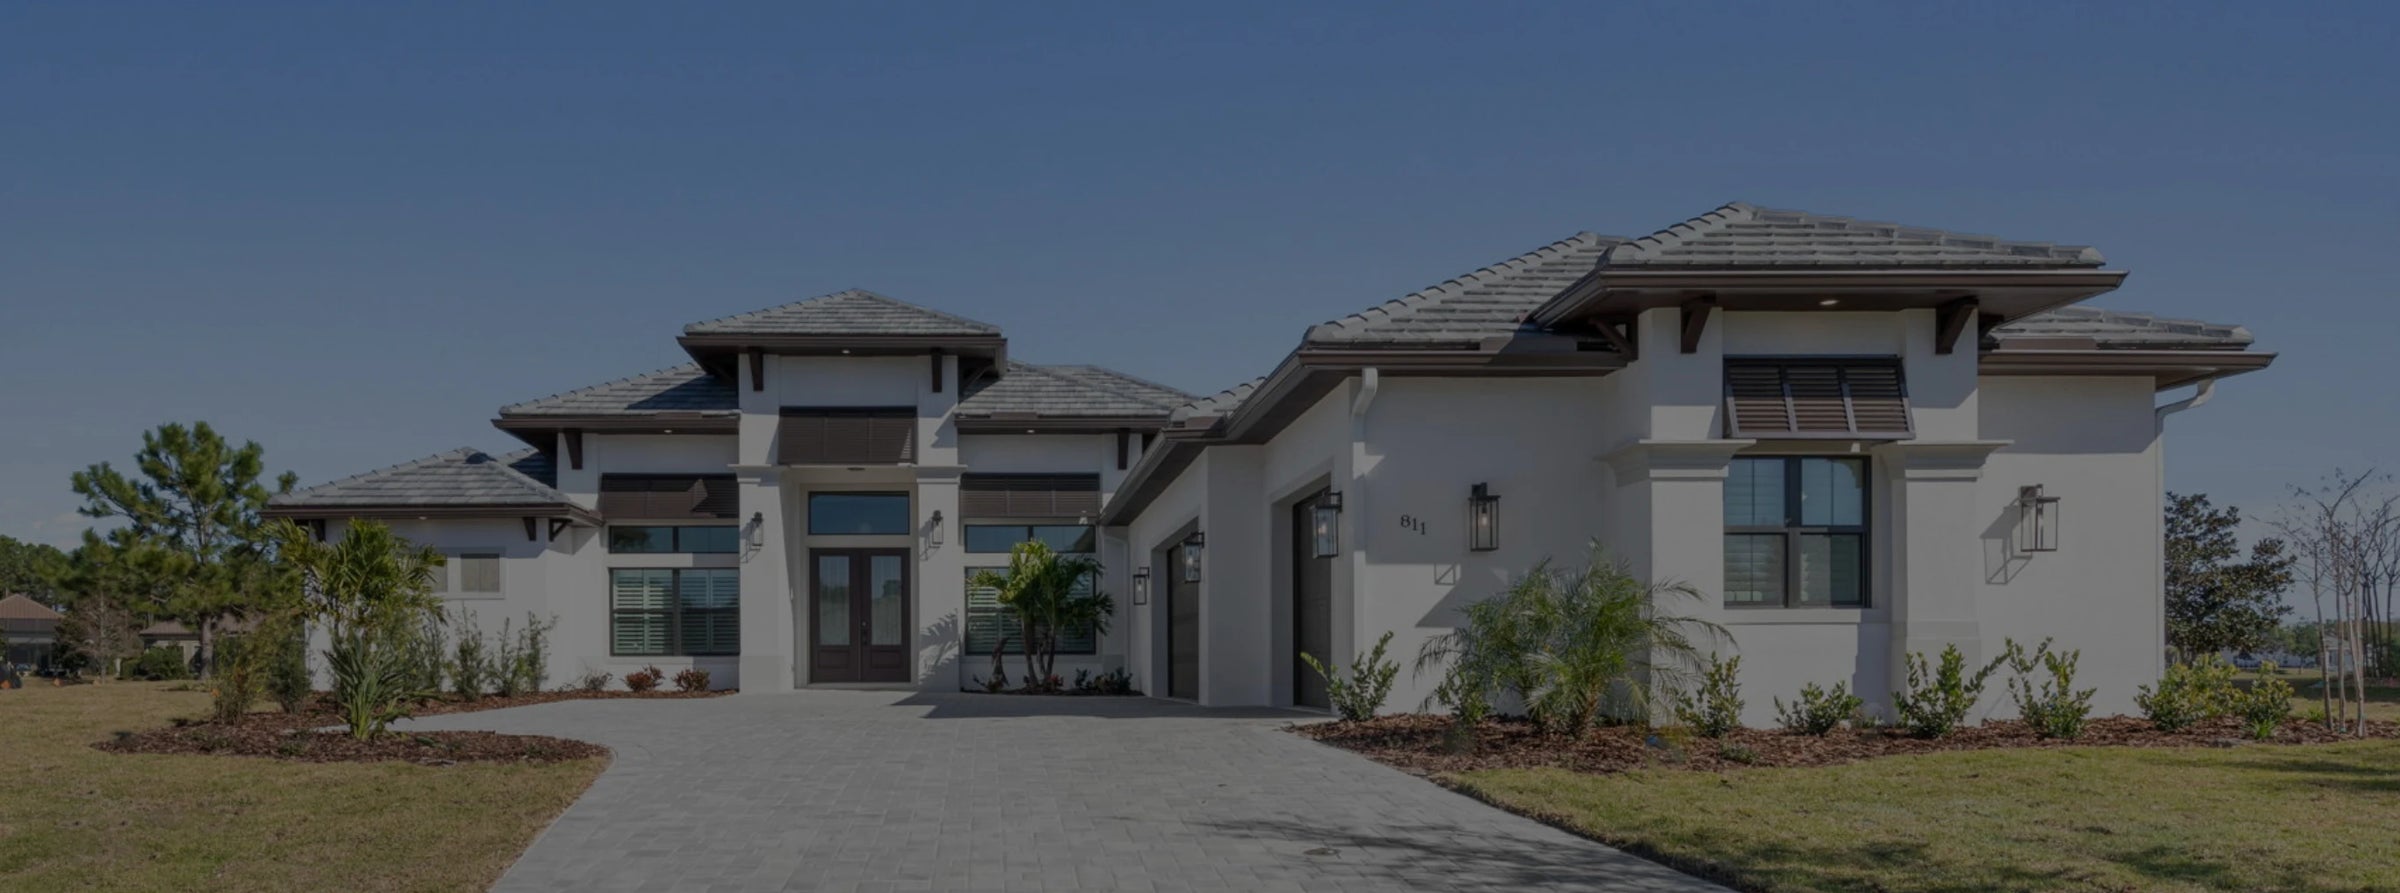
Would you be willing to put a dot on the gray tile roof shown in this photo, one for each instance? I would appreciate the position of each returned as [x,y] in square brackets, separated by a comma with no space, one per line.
[462,477]
[1070,391]
[685,388]
[2123,330]
[1221,403]
[1463,311]
[1741,235]
[853,312]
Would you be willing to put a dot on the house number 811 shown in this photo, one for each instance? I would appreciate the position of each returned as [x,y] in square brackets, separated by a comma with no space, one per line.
[1412,522]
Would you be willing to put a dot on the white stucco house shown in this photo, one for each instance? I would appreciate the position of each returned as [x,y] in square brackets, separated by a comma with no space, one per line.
[1841,431]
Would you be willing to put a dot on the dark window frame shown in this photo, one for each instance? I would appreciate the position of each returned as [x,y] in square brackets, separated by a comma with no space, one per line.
[674,615]
[1091,534]
[908,510]
[674,539]
[1793,531]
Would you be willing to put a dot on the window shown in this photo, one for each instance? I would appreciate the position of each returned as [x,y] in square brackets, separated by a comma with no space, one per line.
[663,612]
[478,572]
[858,514]
[1001,538]
[1796,532]
[988,622]
[712,539]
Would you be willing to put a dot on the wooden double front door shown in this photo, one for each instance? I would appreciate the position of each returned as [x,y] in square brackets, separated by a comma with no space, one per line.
[858,607]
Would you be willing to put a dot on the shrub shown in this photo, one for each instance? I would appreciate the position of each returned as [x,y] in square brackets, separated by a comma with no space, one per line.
[1113,682]
[240,678]
[1715,710]
[1937,700]
[1567,644]
[288,681]
[369,589]
[644,679]
[2265,704]
[2054,709]
[470,667]
[2188,693]
[1359,695]
[422,655]
[591,681]
[159,664]
[691,679]
[1819,711]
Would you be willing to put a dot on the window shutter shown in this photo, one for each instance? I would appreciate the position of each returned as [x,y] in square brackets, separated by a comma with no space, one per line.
[846,436]
[1801,398]
[1035,496]
[669,497]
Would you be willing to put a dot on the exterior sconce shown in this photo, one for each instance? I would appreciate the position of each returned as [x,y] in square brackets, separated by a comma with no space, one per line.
[756,533]
[1191,556]
[1141,585]
[933,534]
[1325,524]
[2037,520]
[1483,519]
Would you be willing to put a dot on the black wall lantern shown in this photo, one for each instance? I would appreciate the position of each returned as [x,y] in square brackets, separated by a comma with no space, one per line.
[757,532]
[1483,519]
[1325,524]
[2037,520]
[1141,585]
[1191,556]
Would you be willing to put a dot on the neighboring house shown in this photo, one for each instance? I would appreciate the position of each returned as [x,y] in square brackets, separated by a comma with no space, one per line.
[28,631]
[1841,431]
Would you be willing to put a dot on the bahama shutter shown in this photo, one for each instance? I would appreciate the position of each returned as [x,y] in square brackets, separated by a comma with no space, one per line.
[1029,495]
[846,436]
[669,497]
[1806,397]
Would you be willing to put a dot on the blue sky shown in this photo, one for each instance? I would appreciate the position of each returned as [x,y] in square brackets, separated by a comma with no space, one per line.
[351,232]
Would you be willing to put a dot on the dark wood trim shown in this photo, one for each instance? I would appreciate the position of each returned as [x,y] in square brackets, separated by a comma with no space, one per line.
[531,523]
[1695,321]
[758,369]
[317,527]
[1950,321]
[559,525]
[936,356]
[574,448]
[1620,338]
[1036,424]
[1124,442]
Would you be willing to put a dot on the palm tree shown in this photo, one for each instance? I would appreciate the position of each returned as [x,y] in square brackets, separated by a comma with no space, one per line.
[1563,642]
[368,590]
[1041,586]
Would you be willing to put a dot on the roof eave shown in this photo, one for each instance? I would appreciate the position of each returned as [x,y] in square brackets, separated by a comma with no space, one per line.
[2167,368]
[568,510]
[1002,423]
[1621,291]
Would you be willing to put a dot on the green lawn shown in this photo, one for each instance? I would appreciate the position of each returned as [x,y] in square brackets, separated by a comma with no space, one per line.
[74,818]
[2268,818]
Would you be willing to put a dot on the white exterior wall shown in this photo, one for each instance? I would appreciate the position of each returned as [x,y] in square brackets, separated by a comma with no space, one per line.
[1637,459]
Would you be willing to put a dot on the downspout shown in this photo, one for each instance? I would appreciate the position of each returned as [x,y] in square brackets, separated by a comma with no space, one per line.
[1370,380]
[1354,513]
[2158,538]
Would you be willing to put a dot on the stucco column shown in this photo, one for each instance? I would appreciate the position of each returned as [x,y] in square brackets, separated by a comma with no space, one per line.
[940,580]
[1670,511]
[1935,548]
[1237,631]
[766,663]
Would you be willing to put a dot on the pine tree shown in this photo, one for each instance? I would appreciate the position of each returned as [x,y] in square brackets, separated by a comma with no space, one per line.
[191,546]
[2215,600]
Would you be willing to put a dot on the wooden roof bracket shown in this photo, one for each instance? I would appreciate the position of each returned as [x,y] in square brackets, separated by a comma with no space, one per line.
[1695,319]
[1620,335]
[1950,321]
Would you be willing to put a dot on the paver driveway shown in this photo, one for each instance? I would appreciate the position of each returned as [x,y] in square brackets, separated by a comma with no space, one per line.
[845,790]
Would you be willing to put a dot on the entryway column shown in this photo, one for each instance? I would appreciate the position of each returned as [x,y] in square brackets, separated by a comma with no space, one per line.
[766,663]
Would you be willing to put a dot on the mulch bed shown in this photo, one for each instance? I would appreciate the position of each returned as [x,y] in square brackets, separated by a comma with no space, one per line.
[301,736]
[1424,743]
[452,704]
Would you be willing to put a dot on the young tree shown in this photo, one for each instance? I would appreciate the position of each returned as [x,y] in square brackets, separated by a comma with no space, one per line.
[1040,586]
[367,591]
[2215,600]
[191,546]
[2332,529]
